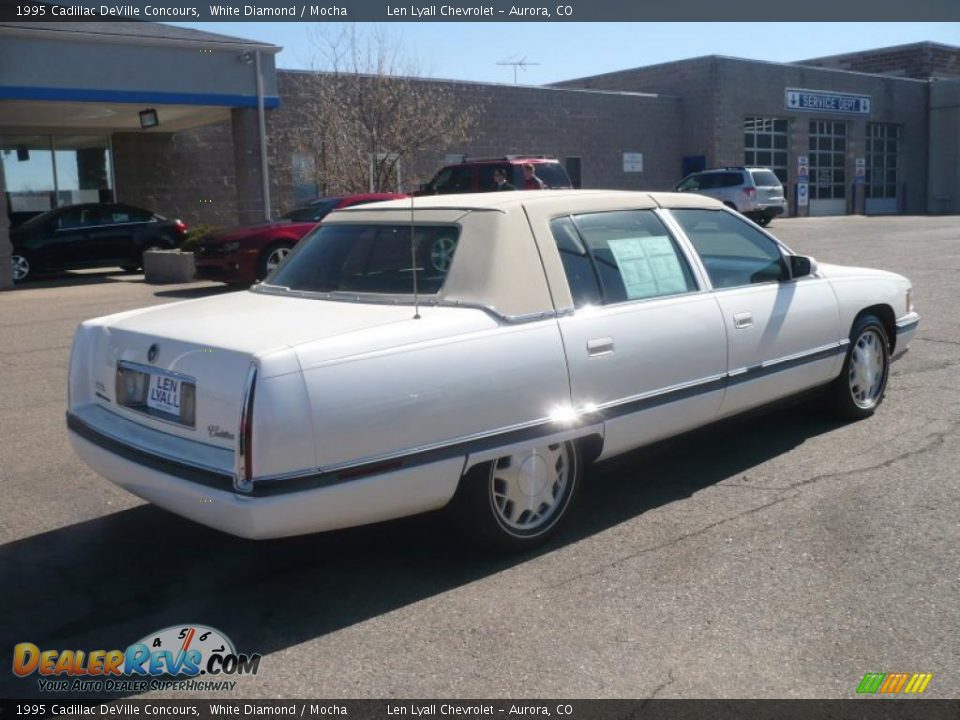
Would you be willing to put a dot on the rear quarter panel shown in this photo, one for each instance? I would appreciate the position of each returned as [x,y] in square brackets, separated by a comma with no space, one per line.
[454,374]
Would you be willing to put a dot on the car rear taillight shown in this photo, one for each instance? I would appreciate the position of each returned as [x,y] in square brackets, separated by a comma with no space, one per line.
[243,479]
[749,191]
[180,226]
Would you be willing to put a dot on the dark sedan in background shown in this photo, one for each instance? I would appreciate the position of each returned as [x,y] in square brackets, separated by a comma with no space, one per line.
[90,235]
[243,255]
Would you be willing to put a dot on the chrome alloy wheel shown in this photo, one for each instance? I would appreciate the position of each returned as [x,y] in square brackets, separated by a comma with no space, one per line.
[868,369]
[529,488]
[275,257]
[21,267]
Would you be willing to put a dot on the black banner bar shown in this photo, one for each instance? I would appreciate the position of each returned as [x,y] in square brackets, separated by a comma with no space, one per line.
[858,709]
[476,11]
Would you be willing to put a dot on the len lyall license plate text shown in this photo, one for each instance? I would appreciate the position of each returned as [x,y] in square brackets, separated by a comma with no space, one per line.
[164,394]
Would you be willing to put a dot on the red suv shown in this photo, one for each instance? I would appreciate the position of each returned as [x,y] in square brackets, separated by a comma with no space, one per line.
[476,175]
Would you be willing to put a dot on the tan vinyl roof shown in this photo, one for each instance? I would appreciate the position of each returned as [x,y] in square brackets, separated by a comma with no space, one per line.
[499,262]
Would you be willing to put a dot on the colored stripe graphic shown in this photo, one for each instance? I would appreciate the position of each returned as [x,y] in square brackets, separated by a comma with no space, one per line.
[871,682]
[893,683]
[918,683]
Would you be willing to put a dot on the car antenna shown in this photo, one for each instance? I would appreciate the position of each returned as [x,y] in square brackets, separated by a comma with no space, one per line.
[413,259]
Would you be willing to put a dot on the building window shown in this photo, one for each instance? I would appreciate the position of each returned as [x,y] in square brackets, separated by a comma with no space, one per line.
[44,172]
[883,162]
[828,160]
[765,143]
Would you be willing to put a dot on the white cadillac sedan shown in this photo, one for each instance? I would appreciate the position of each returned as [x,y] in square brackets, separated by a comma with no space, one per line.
[472,351]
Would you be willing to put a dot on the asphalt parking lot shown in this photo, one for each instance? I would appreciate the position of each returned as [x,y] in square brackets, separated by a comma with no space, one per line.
[781,555]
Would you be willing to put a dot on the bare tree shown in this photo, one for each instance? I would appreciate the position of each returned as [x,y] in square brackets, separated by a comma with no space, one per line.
[364,113]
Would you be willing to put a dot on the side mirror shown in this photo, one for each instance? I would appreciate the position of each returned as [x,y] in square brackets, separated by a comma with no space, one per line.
[800,266]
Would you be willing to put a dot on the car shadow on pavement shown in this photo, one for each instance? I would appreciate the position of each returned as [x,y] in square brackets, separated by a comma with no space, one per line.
[72,279]
[108,582]
[189,293]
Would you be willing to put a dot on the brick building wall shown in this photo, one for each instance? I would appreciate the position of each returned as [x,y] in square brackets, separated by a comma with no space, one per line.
[597,127]
[667,111]
[918,60]
[693,82]
[188,175]
[717,93]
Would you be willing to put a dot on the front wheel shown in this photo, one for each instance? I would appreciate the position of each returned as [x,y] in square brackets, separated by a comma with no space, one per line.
[22,267]
[519,500]
[859,390]
[271,258]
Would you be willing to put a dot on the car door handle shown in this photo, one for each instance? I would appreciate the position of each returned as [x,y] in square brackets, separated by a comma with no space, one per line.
[743,320]
[600,346]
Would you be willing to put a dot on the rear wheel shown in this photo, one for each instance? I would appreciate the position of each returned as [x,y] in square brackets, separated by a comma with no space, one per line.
[133,267]
[22,266]
[859,389]
[519,500]
[272,257]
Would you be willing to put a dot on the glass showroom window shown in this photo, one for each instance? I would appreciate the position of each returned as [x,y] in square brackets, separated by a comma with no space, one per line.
[45,172]
[765,143]
[883,163]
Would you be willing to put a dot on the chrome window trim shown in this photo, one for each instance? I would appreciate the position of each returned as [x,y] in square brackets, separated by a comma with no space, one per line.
[405,300]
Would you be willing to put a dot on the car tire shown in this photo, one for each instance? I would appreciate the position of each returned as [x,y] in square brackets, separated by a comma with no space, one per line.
[859,389]
[271,257]
[131,267]
[489,504]
[22,266]
[762,220]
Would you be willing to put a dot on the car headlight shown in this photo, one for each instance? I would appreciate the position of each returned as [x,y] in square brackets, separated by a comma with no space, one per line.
[231,247]
[909,301]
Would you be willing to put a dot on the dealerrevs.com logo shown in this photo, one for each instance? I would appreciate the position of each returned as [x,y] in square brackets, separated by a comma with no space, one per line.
[182,652]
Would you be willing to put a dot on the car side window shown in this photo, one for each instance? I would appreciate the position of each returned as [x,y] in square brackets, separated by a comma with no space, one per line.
[78,217]
[485,182]
[733,179]
[689,185]
[581,276]
[707,181]
[453,180]
[733,252]
[631,253]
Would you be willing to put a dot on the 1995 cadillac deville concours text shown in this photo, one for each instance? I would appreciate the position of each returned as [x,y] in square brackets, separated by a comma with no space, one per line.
[470,352]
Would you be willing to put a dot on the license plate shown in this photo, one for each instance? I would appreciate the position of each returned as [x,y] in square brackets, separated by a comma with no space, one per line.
[163,394]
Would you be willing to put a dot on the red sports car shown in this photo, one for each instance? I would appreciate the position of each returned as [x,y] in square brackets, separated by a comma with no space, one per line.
[243,255]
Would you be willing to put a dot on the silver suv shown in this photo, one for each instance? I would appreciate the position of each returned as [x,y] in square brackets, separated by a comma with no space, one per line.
[752,191]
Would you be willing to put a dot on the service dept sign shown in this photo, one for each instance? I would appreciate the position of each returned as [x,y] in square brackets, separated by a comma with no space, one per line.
[826,101]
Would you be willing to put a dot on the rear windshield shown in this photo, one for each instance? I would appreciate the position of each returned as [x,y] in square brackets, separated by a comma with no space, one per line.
[370,259]
[765,178]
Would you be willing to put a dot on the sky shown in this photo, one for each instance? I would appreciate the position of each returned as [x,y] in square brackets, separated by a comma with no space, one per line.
[471,51]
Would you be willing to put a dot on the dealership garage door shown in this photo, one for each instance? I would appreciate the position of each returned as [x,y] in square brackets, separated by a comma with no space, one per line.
[828,167]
